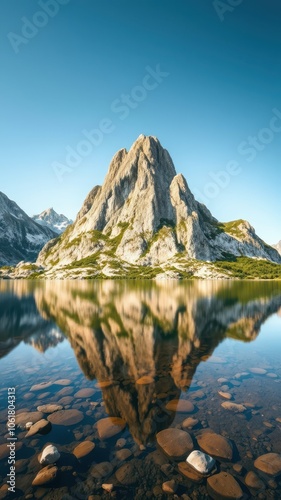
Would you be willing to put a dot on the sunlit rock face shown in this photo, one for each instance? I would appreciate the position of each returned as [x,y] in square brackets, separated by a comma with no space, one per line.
[145,214]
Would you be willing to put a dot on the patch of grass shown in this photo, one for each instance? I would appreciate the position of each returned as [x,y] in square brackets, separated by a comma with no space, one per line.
[232,228]
[247,268]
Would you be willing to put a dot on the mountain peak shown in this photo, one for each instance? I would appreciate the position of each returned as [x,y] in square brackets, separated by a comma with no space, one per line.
[145,214]
[50,218]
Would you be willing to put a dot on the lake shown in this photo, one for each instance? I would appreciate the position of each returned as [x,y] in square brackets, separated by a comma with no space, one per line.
[141,374]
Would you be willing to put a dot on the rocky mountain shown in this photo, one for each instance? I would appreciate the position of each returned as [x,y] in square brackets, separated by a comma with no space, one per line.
[21,238]
[49,218]
[278,247]
[145,217]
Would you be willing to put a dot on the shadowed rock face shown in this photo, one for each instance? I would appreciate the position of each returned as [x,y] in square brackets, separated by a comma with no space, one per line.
[121,332]
[145,214]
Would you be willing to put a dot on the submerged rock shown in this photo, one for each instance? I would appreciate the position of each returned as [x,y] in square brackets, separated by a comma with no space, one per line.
[236,408]
[41,427]
[49,408]
[110,426]
[223,486]
[49,455]
[45,475]
[83,449]
[175,443]
[215,445]
[201,462]
[270,463]
[66,417]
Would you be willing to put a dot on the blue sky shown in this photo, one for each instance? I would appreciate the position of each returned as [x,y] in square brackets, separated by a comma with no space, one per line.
[213,110]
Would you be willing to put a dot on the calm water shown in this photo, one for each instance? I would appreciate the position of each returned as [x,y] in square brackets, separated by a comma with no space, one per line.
[106,336]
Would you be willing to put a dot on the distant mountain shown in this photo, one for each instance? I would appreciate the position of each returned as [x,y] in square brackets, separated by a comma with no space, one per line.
[49,218]
[144,217]
[21,238]
[278,247]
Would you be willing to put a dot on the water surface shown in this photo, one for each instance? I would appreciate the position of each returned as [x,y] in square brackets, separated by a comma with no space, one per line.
[108,335]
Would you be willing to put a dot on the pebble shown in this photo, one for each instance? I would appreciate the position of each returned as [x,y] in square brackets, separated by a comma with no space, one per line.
[215,445]
[253,481]
[123,454]
[175,443]
[42,385]
[50,408]
[28,416]
[201,462]
[45,475]
[84,393]
[170,486]
[236,408]
[258,371]
[127,474]
[223,486]
[107,487]
[102,470]
[83,449]
[189,423]
[186,470]
[41,427]
[49,455]
[270,463]
[120,443]
[225,395]
[66,417]
[110,426]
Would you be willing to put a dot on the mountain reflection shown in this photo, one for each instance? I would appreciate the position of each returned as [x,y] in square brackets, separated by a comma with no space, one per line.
[122,331]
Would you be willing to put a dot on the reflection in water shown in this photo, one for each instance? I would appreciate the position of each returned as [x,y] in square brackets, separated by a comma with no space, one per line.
[121,331]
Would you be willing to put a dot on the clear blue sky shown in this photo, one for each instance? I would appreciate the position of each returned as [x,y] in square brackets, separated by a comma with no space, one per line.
[224,81]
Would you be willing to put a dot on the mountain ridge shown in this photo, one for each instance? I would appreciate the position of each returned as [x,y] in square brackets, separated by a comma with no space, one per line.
[21,238]
[50,218]
[145,215]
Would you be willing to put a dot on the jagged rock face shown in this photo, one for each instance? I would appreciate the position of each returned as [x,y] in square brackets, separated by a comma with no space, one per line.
[145,214]
[278,247]
[49,218]
[21,238]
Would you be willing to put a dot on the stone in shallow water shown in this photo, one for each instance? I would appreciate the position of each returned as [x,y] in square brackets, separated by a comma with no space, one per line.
[215,445]
[180,406]
[201,462]
[170,487]
[41,427]
[252,480]
[127,474]
[146,379]
[189,423]
[258,371]
[42,385]
[102,470]
[84,393]
[28,416]
[83,449]
[63,381]
[66,417]
[236,408]
[186,470]
[175,443]
[49,455]
[50,408]
[107,487]
[123,454]
[270,463]
[110,426]
[45,475]
[223,486]
[225,395]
